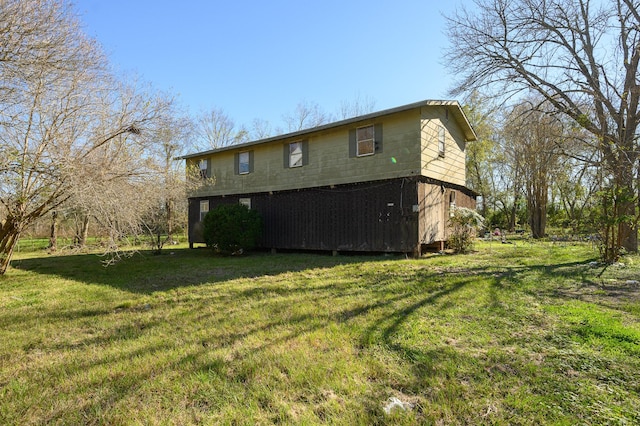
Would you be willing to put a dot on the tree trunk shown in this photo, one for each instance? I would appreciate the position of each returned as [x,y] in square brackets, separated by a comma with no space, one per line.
[53,234]
[513,214]
[9,234]
[537,196]
[169,208]
[84,232]
[628,228]
[538,221]
[625,199]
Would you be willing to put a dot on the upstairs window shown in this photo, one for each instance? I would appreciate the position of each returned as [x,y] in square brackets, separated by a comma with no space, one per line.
[295,154]
[244,163]
[365,141]
[441,141]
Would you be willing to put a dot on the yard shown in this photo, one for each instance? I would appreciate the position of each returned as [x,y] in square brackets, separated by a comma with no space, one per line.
[510,334]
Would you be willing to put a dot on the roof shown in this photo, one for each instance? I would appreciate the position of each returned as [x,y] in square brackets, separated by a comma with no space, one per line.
[453,106]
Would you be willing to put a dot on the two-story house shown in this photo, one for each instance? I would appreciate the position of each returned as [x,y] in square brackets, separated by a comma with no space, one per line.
[381,182]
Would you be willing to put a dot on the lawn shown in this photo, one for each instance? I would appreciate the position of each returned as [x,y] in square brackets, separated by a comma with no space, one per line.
[510,334]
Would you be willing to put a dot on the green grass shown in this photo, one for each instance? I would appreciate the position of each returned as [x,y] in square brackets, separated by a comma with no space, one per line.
[510,334]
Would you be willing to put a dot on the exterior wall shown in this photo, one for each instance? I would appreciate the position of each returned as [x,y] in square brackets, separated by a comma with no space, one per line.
[431,215]
[451,166]
[396,200]
[329,161]
[435,201]
[375,216]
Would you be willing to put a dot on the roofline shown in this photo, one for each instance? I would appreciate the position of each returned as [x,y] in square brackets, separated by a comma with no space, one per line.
[468,131]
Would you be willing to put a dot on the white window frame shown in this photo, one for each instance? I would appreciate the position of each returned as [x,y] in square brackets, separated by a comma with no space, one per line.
[295,154]
[247,164]
[442,140]
[245,202]
[204,209]
[363,140]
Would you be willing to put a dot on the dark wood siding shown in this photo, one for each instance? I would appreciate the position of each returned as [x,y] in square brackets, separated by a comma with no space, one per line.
[398,215]
[373,216]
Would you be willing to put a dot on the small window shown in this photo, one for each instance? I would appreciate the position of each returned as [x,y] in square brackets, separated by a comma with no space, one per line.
[295,154]
[365,141]
[452,203]
[441,141]
[245,202]
[204,209]
[204,167]
[243,163]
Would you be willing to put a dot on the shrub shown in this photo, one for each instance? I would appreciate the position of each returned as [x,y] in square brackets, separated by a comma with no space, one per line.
[464,224]
[232,228]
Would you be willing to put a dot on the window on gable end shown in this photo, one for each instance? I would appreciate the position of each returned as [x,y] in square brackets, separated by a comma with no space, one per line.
[441,140]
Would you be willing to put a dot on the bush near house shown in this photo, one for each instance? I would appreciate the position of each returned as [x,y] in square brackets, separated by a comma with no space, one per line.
[232,228]
[464,224]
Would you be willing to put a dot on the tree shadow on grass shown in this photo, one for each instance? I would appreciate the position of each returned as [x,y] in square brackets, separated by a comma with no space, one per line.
[147,273]
[399,297]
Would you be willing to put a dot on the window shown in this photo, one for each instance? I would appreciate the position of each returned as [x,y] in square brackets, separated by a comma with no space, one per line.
[204,168]
[295,154]
[245,202]
[452,203]
[365,142]
[244,163]
[204,209]
[441,141]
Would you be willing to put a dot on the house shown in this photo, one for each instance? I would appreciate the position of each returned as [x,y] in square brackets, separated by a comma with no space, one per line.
[381,182]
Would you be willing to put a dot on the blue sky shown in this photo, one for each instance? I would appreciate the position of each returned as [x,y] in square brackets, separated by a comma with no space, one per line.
[259,59]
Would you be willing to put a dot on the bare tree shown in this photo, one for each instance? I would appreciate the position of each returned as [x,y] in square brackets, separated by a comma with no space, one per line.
[306,116]
[167,203]
[582,57]
[260,129]
[214,129]
[68,130]
[358,106]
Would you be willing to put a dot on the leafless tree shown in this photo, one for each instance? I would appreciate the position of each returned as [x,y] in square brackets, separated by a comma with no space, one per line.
[68,129]
[306,116]
[166,209]
[260,129]
[582,57]
[214,129]
[358,106]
